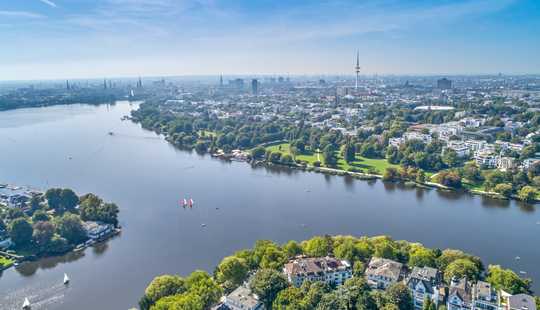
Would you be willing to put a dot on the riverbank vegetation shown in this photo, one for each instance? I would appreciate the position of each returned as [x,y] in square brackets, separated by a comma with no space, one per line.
[368,150]
[262,267]
[52,223]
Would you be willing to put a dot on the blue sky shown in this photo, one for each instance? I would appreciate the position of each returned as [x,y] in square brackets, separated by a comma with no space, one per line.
[98,38]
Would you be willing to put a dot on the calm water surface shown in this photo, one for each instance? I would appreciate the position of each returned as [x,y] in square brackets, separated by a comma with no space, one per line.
[239,204]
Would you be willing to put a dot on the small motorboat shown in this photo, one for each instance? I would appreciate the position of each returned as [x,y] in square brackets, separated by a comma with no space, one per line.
[111,133]
[203,225]
[26,305]
[66,279]
[518,258]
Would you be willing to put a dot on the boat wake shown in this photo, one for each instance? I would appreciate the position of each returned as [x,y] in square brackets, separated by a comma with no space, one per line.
[41,297]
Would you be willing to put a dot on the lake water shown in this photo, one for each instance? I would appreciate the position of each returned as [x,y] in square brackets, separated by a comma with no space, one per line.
[239,204]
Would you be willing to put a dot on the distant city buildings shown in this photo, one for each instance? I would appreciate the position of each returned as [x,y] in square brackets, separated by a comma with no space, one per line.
[444,84]
[254,86]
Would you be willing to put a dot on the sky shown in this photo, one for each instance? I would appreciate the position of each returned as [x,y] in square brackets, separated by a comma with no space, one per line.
[57,39]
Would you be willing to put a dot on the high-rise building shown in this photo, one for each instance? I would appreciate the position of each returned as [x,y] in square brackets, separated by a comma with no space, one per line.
[444,84]
[68,87]
[255,86]
[357,69]
[221,80]
[237,83]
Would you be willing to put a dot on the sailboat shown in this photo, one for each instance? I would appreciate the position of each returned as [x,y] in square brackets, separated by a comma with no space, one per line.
[184,203]
[66,279]
[191,203]
[26,304]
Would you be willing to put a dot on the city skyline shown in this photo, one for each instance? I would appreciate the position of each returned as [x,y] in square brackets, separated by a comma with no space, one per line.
[48,39]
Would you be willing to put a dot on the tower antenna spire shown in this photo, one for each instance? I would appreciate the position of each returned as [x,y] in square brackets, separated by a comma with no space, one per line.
[357,68]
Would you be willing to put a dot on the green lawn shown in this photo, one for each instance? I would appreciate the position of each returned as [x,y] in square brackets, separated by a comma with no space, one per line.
[361,163]
[308,156]
[365,164]
[5,262]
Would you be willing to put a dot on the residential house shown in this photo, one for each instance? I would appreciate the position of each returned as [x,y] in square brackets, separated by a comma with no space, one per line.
[382,272]
[461,149]
[325,269]
[484,296]
[516,302]
[529,163]
[425,282]
[485,158]
[97,230]
[412,135]
[506,163]
[240,299]
[460,296]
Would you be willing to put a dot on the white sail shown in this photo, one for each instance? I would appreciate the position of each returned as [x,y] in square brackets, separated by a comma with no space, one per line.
[26,304]
[66,279]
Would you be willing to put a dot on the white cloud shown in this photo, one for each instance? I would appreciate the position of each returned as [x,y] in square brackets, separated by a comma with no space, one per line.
[24,14]
[49,3]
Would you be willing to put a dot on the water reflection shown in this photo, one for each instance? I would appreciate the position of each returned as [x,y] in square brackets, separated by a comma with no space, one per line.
[28,269]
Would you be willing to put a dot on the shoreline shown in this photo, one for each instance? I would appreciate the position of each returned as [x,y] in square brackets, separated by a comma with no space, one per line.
[17,259]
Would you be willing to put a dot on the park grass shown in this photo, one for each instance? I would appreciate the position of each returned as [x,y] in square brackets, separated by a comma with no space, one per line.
[308,156]
[362,164]
[5,262]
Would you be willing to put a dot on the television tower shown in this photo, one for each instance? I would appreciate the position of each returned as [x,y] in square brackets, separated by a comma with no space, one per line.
[357,68]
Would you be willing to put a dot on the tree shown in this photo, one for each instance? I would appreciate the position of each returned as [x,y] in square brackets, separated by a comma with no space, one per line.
[317,246]
[70,227]
[189,301]
[449,178]
[332,301]
[450,158]
[54,198]
[420,177]
[292,248]
[329,155]
[287,159]
[162,286]
[92,208]
[20,231]
[349,152]
[40,215]
[289,299]
[200,283]
[527,194]
[346,250]
[258,152]
[267,283]
[390,174]
[231,272]
[460,268]
[504,189]
[507,280]
[35,202]
[422,257]
[428,304]
[493,178]
[69,199]
[472,173]
[399,295]
[43,233]
[61,200]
